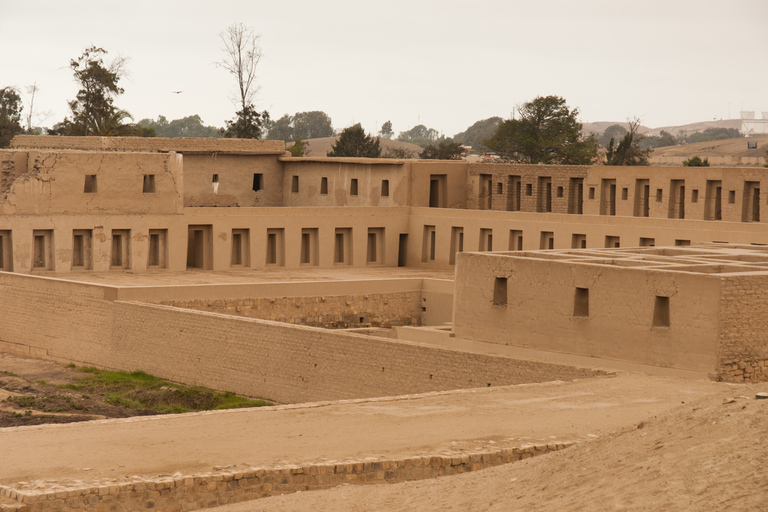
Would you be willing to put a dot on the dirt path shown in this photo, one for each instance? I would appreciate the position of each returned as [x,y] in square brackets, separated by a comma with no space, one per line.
[703,456]
[376,428]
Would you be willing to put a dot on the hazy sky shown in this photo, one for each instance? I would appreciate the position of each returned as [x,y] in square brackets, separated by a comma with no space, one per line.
[444,64]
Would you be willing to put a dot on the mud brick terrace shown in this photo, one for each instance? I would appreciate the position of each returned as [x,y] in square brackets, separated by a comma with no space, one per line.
[343,289]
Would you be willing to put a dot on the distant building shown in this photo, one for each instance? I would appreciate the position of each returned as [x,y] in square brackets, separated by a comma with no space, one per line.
[751,126]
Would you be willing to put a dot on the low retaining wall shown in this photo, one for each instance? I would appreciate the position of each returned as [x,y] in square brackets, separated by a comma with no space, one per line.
[327,311]
[205,490]
[258,358]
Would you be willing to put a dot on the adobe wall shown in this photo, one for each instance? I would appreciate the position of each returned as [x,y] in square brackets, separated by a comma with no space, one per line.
[744,329]
[256,223]
[539,311]
[303,178]
[500,192]
[327,311]
[53,183]
[234,175]
[122,144]
[566,230]
[455,189]
[248,356]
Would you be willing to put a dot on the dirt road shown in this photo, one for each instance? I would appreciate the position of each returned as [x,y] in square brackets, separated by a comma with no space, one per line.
[372,428]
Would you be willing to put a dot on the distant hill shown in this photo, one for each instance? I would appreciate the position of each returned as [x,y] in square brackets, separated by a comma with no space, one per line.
[718,152]
[600,126]
[321,146]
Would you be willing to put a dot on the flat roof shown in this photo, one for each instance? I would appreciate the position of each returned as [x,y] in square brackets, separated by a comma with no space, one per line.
[697,259]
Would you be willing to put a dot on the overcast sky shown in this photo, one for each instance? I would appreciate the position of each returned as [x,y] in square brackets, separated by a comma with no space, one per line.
[444,64]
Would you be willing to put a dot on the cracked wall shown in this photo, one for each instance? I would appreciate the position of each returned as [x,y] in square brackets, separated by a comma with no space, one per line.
[54,183]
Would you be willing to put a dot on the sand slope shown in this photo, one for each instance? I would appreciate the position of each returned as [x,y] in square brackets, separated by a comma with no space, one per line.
[701,456]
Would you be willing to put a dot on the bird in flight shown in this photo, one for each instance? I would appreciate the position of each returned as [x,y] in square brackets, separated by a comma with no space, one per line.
[177,92]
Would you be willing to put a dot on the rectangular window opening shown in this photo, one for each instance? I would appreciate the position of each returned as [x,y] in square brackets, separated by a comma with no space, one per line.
[215,178]
[258,182]
[81,249]
[375,250]
[353,187]
[324,185]
[158,248]
[500,291]
[661,312]
[581,302]
[295,184]
[148,186]
[90,184]
[529,189]
[591,192]
[275,247]
[6,257]
[120,257]
[624,193]
[515,240]
[384,188]
[731,196]
[682,243]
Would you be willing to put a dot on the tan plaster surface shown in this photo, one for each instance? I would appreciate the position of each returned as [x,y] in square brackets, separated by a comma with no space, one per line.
[383,428]
[195,277]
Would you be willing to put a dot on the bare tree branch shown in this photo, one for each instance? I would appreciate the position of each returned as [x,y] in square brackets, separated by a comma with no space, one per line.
[242,54]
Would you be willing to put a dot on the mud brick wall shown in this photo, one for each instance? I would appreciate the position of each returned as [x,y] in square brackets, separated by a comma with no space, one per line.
[560,176]
[181,144]
[743,329]
[372,310]
[259,358]
[194,492]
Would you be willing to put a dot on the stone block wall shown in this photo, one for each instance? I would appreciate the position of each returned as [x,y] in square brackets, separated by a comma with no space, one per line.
[194,492]
[328,311]
[743,329]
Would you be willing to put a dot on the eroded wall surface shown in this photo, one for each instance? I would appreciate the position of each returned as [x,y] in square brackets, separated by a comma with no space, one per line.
[744,329]
[327,311]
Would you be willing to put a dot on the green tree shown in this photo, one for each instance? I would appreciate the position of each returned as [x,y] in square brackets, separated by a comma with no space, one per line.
[399,153]
[386,130]
[299,148]
[282,129]
[98,88]
[247,124]
[445,150]
[477,133]
[112,125]
[615,132]
[419,135]
[190,126]
[714,134]
[696,161]
[629,151]
[354,142]
[547,132]
[312,125]
[10,115]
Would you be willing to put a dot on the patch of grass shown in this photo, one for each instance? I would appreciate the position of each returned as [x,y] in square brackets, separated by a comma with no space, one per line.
[10,374]
[70,365]
[141,391]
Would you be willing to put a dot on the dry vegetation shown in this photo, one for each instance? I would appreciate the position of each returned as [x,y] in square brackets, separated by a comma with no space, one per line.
[34,392]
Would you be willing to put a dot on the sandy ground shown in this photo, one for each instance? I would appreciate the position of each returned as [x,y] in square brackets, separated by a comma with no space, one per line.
[388,427]
[704,455]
